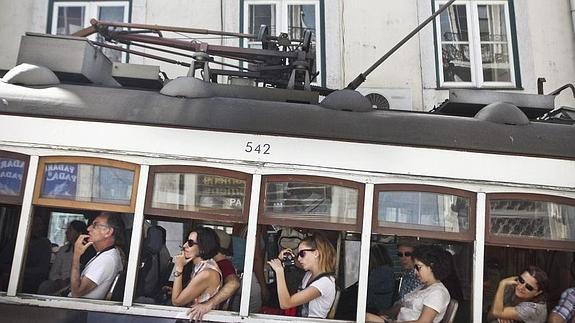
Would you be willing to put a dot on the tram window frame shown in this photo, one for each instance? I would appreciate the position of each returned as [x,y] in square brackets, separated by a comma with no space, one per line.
[16,199]
[86,205]
[405,229]
[319,225]
[187,214]
[524,241]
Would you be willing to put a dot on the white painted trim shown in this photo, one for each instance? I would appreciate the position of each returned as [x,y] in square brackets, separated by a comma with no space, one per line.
[23,232]
[250,244]
[136,240]
[478,259]
[364,252]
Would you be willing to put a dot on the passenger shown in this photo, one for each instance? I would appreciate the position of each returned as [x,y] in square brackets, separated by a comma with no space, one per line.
[231,280]
[381,282]
[565,309]
[59,277]
[317,291]
[409,281]
[200,248]
[38,256]
[105,234]
[521,298]
[427,303]
[155,261]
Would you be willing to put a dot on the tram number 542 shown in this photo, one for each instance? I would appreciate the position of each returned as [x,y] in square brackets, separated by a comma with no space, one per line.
[263,149]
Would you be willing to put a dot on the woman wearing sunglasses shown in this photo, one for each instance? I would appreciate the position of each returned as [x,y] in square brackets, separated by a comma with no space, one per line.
[428,302]
[316,255]
[202,245]
[521,298]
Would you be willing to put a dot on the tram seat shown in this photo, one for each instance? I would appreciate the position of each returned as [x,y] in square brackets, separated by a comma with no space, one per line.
[450,311]
[110,293]
[333,310]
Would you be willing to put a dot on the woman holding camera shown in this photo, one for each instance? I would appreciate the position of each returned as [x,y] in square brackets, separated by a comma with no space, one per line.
[316,295]
[202,245]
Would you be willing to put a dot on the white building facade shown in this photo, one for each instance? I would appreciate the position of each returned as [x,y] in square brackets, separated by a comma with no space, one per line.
[488,44]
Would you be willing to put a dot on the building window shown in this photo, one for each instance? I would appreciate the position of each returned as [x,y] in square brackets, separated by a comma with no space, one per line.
[69,17]
[285,16]
[474,45]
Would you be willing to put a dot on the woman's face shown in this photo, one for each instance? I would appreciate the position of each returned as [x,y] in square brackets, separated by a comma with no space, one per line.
[423,272]
[191,249]
[307,256]
[71,234]
[527,287]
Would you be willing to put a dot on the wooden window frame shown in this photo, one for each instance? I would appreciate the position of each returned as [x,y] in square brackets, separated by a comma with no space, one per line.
[185,214]
[321,225]
[16,200]
[402,229]
[525,242]
[72,204]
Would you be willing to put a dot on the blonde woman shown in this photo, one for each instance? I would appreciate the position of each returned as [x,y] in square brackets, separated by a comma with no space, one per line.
[316,295]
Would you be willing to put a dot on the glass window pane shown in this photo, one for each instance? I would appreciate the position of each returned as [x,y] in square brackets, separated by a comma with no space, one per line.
[424,210]
[453,23]
[456,63]
[533,219]
[70,20]
[11,173]
[59,222]
[262,15]
[300,19]
[311,202]
[492,23]
[199,193]
[116,14]
[89,183]
[495,59]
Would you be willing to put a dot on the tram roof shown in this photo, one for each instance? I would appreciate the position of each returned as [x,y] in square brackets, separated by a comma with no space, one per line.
[142,107]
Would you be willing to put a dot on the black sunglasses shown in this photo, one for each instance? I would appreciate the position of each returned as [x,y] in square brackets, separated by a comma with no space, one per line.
[404,254]
[301,253]
[521,281]
[190,243]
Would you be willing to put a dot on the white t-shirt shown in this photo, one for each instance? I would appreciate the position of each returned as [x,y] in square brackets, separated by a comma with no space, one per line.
[320,306]
[102,270]
[435,296]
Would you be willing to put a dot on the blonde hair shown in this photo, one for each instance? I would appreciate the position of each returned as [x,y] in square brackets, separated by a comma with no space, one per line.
[325,249]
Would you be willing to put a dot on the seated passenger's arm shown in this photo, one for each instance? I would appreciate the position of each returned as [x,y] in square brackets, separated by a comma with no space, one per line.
[555,318]
[498,310]
[182,297]
[80,286]
[231,285]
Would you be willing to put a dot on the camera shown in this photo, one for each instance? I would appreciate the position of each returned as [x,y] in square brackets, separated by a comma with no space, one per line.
[288,260]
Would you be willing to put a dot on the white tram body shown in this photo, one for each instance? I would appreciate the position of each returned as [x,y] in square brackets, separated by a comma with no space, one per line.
[147,129]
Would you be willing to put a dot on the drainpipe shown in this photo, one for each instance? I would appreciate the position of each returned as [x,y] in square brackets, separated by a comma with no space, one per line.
[573,14]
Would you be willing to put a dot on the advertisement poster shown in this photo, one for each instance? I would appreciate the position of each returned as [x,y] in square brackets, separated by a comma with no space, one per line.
[11,173]
[60,181]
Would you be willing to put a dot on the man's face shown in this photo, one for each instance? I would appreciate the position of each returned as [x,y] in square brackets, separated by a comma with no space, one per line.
[99,229]
[404,254]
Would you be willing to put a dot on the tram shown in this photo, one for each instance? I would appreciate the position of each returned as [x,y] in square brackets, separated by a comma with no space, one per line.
[269,166]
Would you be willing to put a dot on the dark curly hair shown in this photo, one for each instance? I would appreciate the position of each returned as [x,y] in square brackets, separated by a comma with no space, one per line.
[208,242]
[434,257]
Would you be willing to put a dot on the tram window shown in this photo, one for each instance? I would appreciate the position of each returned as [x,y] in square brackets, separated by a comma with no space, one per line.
[503,262]
[325,253]
[424,208]
[326,202]
[46,273]
[392,276]
[546,219]
[164,238]
[9,218]
[177,191]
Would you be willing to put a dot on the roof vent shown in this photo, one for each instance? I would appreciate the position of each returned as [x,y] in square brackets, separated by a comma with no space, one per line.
[28,74]
[502,113]
[187,87]
[347,100]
